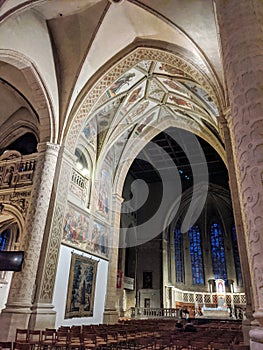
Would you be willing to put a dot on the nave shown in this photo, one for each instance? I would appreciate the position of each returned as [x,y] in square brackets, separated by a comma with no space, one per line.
[135,334]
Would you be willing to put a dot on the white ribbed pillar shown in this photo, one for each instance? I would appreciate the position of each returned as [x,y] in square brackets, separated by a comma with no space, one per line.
[241,31]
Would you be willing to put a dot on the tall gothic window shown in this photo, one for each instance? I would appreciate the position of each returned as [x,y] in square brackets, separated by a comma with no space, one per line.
[178,252]
[236,258]
[3,240]
[218,252]
[196,255]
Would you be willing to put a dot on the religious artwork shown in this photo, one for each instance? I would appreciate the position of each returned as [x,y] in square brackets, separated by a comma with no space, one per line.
[90,131]
[145,123]
[173,85]
[77,233]
[75,228]
[180,102]
[135,95]
[141,108]
[104,192]
[118,84]
[100,239]
[147,279]
[81,287]
[171,70]
[201,93]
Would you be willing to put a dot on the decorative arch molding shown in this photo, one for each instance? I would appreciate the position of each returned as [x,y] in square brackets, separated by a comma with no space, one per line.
[179,59]
[42,101]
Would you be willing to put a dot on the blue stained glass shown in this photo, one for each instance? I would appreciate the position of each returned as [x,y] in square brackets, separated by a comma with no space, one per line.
[218,252]
[3,239]
[178,252]
[196,255]
[237,258]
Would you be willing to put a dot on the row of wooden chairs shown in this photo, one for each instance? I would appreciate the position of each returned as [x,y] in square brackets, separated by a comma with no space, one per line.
[133,335]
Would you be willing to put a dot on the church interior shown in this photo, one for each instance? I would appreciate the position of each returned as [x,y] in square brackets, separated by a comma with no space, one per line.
[131,167]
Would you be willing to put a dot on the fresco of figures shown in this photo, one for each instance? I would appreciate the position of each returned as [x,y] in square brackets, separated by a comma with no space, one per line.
[104,192]
[77,233]
[100,239]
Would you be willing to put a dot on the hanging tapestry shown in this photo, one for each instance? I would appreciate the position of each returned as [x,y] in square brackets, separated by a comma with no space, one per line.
[81,287]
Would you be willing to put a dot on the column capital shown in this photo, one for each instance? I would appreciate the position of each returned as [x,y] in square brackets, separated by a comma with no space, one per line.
[48,146]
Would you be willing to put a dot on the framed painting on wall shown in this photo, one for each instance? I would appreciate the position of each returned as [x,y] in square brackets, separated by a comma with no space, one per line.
[81,287]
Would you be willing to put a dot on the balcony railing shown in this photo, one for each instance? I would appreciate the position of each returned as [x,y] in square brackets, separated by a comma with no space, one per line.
[79,186]
[142,312]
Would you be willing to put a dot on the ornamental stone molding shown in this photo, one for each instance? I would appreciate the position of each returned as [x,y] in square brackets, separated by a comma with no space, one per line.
[23,284]
[49,273]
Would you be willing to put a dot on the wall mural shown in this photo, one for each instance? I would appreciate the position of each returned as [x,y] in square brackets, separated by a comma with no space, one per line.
[90,132]
[77,233]
[104,192]
[100,239]
[81,287]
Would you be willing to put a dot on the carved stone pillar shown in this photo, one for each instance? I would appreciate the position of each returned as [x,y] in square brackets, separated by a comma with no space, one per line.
[18,307]
[43,316]
[241,27]
[239,227]
[110,311]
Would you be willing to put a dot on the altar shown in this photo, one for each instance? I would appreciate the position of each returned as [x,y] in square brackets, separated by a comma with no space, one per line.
[220,310]
[215,312]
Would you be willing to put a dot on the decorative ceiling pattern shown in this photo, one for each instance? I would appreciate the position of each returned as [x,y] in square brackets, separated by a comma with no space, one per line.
[143,95]
[145,81]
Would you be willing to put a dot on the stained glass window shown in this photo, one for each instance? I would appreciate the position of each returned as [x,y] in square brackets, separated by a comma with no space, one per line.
[3,239]
[218,252]
[236,258]
[178,252]
[196,255]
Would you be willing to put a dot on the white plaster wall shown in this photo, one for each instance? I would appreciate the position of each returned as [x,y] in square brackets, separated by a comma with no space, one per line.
[153,295]
[61,288]
[4,289]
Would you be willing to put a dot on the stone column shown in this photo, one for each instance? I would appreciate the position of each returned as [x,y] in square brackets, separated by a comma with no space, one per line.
[241,239]
[43,316]
[241,30]
[18,307]
[110,311]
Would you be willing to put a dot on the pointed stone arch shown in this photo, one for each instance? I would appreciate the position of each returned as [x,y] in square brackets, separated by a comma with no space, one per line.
[41,99]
